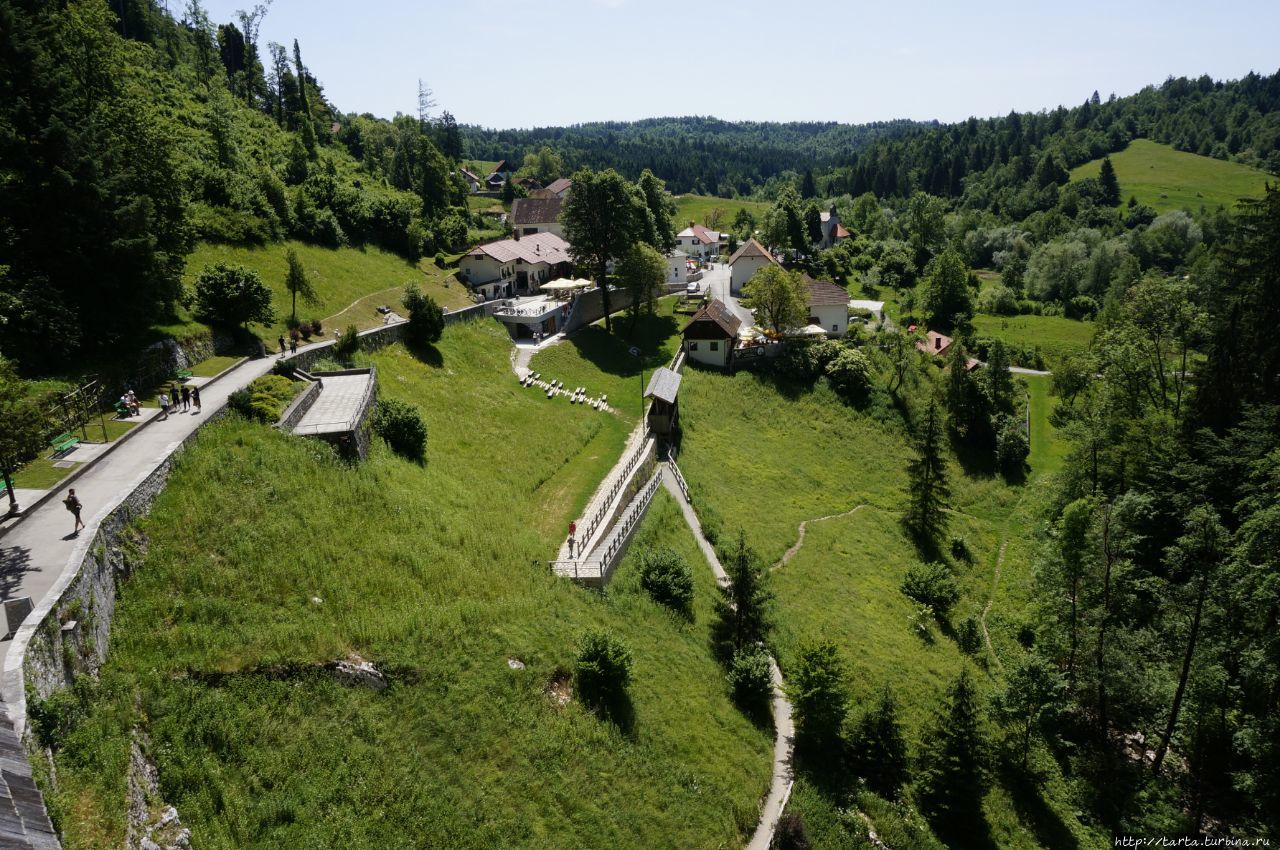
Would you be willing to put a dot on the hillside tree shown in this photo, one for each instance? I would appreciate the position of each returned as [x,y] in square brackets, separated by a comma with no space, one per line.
[600,219]
[819,698]
[944,294]
[298,284]
[1110,185]
[23,433]
[954,764]
[927,476]
[743,612]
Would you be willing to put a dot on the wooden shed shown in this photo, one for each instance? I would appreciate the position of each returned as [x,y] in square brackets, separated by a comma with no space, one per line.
[664,412]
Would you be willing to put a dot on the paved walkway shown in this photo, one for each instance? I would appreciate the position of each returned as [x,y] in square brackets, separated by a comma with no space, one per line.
[784,728]
[39,554]
[338,406]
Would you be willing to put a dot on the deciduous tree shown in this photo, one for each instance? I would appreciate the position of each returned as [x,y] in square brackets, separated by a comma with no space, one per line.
[778,298]
[600,219]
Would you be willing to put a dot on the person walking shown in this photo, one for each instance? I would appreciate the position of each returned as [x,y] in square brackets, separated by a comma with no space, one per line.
[173,397]
[164,405]
[186,398]
[293,345]
[195,398]
[571,546]
[282,345]
[73,505]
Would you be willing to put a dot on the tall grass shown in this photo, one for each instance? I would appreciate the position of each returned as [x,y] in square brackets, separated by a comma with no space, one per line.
[268,555]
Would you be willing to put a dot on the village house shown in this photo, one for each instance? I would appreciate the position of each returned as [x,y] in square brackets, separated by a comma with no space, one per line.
[828,306]
[745,262]
[832,230]
[934,343]
[501,171]
[473,182]
[697,241]
[677,267]
[711,334]
[515,266]
[529,184]
[558,188]
[536,215]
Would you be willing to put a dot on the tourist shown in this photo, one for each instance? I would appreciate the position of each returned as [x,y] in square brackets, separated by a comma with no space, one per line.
[164,405]
[135,406]
[174,395]
[73,505]
[195,398]
[570,545]
[293,345]
[128,408]
[186,398]
[282,345]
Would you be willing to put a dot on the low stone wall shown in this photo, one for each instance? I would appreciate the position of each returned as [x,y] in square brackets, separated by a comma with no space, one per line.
[299,406]
[375,338]
[589,307]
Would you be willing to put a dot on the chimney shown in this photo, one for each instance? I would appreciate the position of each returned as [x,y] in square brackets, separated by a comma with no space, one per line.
[937,343]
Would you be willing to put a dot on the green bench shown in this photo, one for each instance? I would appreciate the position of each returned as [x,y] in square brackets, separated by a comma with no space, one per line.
[122,410]
[63,442]
[182,374]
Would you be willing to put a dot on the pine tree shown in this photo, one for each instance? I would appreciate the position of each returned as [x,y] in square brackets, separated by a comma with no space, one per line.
[970,414]
[1110,185]
[928,481]
[296,283]
[817,692]
[807,189]
[743,615]
[999,379]
[954,776]
[878,748]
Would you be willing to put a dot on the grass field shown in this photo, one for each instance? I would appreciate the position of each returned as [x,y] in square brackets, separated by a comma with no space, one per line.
[603,362]
[696,207]
[1166,179]
[213,366]
[351,282]
[1055,336]
[764,459]
[436,572]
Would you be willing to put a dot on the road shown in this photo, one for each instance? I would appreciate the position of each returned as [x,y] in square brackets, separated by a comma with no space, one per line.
[715,282]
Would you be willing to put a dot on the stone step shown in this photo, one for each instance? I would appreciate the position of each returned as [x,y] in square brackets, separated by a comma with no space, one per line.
[12,835]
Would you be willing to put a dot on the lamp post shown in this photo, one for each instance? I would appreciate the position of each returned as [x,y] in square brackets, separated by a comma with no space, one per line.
[635,352]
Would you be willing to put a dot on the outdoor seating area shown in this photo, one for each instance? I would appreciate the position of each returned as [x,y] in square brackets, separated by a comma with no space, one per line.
[577,395]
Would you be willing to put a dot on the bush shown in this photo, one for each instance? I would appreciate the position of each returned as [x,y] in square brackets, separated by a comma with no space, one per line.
[960,549]
[400,424]
[1081,307]
[750,680]
[265,398]
[804,361]
[603,670]
[1012,447]
[999,300]
[348,344]
[931,584]
[850,374]
[304,330]
[791,834]
[426,319]
[316,327]
[969,636]
[667,578]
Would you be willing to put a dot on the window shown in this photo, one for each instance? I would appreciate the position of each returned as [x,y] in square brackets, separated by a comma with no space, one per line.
[715,346]
[693,346]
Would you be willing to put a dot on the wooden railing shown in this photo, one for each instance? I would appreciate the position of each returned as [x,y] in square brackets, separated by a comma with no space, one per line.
[606,506]
[679,476]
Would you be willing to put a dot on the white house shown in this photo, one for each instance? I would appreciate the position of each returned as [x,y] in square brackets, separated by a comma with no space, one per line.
[696,241]
[558,188]
[832,230]
[828,306]
[677,267]
[711,334]
[515,266]
[745,262]
[536,215]
[473,182]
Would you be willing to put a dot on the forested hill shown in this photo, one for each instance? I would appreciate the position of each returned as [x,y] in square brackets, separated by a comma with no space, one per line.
[694,154]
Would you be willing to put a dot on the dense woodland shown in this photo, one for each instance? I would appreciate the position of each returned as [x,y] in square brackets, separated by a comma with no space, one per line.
[126,135]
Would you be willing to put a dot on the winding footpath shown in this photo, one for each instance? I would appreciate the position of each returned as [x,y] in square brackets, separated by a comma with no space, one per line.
[995,582]
[785,731]
[795,549]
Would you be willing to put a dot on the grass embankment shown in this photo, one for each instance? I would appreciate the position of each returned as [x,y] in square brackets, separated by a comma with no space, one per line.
[1166,179]
[213,366]
[264,550]
[350,282]
[603,363]
[764,460]
[1055,336]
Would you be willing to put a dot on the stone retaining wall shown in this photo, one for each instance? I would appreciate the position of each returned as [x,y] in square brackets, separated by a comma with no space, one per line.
[299,406]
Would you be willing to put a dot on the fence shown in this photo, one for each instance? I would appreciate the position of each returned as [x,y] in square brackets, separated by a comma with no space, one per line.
[606,507]
[596,567]
[679,476]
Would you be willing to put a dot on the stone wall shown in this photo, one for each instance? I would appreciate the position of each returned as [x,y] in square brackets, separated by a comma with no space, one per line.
[589,307]
[299,406]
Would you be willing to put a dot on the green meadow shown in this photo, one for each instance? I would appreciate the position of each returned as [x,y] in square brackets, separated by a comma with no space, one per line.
[696,208]
[437,573]
[1167,179]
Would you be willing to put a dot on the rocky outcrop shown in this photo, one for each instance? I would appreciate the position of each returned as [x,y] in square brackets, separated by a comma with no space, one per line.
[152,825]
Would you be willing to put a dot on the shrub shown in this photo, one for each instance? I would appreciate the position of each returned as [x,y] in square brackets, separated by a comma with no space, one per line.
[969,636]
[804,361]
[1012,447]
[931,584]
[304,330]
[667,578]
[426,319]
[265,398]
[750,680]
[1081,307]
[850,374]
[400,424]
[791,834]
[232,296]
[316,327]
[1000,300]
[603,670]
[348,344]
[960,549]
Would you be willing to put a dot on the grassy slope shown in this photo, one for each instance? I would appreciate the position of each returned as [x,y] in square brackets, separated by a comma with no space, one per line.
[765,462]
[436,572]
[695,208]
[603,362]
[1056,336]
[340,276]
[1166,179]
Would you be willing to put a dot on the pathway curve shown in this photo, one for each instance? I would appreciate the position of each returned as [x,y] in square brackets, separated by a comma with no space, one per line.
[785,731]
[995,581]
[795,549]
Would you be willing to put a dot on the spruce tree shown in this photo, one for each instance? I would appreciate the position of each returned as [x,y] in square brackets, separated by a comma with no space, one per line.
[296,283]
[927,474]
[878,749]
[970,415]
[1110,185]
[999,379]
[954,775]
[743,615]
[817,692]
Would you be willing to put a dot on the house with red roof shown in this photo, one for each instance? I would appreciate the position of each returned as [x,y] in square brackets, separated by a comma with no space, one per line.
[745,262]
[833,231]
[935,344]
[711,334]
[515,266]
[697,241]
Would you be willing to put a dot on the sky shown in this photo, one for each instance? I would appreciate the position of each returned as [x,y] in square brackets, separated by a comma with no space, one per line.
[526,63]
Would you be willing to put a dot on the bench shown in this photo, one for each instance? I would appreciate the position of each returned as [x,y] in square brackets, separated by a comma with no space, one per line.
[63,442]
[182,374]
[122,410]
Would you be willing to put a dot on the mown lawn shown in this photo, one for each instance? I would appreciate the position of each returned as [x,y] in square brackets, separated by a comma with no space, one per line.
[696,207]
[267,556]
[344,279]
[1055,336]
[213,366]
[603,362]
[1167,179]
[764,457]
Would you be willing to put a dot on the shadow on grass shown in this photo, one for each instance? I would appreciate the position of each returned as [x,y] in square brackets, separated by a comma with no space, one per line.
[426,353]
[1049,829]
[611,352]
[976,455]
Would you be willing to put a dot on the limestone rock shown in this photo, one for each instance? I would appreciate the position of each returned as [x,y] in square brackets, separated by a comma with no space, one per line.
[356,672]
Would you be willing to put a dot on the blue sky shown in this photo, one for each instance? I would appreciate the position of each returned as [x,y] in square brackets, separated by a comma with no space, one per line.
[521,63]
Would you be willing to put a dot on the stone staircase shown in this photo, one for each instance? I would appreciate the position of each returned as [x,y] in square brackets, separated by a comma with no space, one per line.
[24,823]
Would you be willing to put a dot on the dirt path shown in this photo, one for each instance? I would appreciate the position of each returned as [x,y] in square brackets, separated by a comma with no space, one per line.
[995,582]
[795,549]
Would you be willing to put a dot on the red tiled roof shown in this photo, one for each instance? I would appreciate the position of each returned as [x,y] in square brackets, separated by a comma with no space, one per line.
[823,292]
[534,248]
[841,233]
[557,187]
[713,314]
[934,343]
[535,210]
[706,237]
